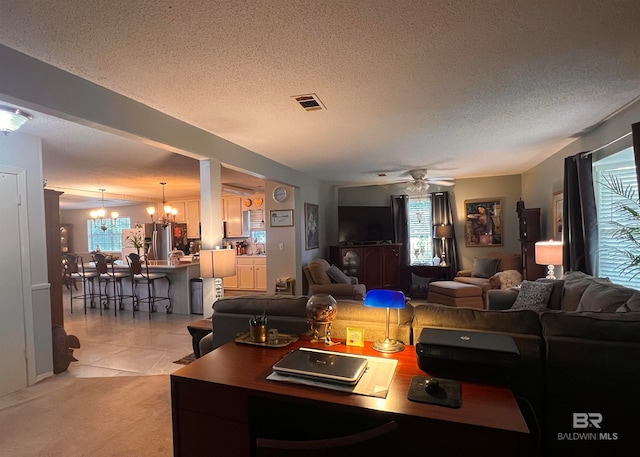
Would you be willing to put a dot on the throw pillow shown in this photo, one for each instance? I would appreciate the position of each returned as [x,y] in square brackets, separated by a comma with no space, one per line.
[505,279]
[318,273]
[604,297]
[484,268]
[533,295]
[338,276]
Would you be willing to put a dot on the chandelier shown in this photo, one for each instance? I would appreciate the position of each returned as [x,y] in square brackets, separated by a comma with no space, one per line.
[169,212]
[99,216]
[11,119]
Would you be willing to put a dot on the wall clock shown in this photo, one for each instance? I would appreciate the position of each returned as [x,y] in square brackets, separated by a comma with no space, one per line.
[279,194]
[247,202]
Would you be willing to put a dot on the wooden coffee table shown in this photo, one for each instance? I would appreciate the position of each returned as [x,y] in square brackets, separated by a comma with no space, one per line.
[222,402]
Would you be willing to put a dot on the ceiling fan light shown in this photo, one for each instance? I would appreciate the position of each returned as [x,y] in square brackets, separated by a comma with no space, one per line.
[11,119]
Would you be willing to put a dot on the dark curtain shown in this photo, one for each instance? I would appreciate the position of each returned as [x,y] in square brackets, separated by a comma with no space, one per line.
[442,214]
[400,208]
[580,231]
[635,134]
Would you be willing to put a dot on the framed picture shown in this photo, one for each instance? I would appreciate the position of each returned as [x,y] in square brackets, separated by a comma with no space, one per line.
[558,214]
[483,222]
[311,226]
[281,218]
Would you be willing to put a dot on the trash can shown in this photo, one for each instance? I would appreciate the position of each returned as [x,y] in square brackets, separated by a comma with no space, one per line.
[196,296]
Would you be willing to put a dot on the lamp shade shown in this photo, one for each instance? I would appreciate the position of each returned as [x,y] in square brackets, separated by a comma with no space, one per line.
[549,252]
[443,231]
[217,263]
[384,298]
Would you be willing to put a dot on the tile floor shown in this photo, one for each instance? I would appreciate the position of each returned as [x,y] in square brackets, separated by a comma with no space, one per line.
[124,346]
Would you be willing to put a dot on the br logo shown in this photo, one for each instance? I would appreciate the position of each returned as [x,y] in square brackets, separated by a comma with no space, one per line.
[586,420]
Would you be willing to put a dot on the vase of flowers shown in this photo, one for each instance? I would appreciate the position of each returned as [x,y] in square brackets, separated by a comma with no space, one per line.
[136,241]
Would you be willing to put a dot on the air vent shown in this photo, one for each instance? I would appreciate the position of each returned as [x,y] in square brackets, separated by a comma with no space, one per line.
[309,102]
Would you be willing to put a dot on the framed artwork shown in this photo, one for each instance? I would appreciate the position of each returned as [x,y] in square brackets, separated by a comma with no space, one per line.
[483,222]
[558,214]
[281,218]
[311,226]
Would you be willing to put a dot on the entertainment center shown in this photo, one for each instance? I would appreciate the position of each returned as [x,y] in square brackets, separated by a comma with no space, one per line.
[377,266]
[367,249]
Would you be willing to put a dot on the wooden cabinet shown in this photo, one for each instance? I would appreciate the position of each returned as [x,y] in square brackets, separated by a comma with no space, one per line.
[192,210]
[251,274]
[529,227]
[188,213]
[66,238]
[232,215]
[54,260]
[375,266]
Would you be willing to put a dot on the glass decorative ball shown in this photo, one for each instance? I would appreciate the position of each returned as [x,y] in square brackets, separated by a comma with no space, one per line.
[322,308]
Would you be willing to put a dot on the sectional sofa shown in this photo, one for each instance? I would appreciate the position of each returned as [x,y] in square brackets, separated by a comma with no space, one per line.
[579,370]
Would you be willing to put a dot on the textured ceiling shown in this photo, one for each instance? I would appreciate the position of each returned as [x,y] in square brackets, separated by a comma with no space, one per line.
[460,85]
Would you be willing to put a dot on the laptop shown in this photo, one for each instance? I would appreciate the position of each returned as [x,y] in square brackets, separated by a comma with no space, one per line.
[322,366]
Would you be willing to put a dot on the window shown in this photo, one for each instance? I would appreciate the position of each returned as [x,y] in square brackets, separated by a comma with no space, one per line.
[611,261]
[420,230]
[110,239]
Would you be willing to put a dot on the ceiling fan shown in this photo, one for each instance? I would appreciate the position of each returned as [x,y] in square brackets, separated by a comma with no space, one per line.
[419,181]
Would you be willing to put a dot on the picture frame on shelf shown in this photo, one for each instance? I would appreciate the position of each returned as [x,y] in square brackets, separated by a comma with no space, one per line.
[311,238]
[281,218]
[483,222]
[558,214]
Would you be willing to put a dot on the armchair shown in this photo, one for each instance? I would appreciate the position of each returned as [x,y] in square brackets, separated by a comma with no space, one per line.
[323,278]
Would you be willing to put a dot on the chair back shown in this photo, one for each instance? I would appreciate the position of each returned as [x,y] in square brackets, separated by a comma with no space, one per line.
[70,263]
[135,264]
[101,263]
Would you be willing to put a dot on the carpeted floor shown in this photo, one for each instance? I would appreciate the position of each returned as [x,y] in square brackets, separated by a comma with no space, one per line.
[78,417]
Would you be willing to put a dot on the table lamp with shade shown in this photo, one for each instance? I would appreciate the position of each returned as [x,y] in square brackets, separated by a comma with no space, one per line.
[218,264]
[549,253]
[384,298]
[444,232]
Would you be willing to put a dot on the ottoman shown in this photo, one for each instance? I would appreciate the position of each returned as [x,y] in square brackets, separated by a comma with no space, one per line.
[453,293]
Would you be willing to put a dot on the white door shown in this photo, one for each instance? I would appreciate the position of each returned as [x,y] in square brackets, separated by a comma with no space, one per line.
[13,361]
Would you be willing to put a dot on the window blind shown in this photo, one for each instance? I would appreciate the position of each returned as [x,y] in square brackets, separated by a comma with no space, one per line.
[420,230]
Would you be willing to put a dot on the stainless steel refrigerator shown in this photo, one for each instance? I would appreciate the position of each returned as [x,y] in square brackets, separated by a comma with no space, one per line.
[162,240]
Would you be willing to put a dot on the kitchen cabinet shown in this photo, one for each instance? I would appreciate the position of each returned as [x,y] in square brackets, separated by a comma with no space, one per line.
[251,273]
[188,213]
[192,209]
[375,266]
[232,214]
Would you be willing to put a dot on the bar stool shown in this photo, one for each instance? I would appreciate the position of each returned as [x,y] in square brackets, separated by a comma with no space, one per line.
[140,275]
[107,274]
[73,271]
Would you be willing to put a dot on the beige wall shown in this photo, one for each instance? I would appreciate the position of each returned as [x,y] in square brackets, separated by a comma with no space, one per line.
[506,187]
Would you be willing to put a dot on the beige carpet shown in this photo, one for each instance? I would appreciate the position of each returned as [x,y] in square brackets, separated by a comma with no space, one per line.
[116,416]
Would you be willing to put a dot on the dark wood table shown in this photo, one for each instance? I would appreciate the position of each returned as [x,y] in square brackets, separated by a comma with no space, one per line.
[199,330]
[222,402]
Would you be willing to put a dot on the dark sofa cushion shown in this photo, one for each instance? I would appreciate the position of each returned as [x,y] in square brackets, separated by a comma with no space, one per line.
[271,305]
[604,297]
[591,367]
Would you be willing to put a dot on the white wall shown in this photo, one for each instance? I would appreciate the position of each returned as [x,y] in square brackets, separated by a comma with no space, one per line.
[24,152]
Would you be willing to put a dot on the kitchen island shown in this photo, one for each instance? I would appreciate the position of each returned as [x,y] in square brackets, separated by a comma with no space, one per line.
[179,274]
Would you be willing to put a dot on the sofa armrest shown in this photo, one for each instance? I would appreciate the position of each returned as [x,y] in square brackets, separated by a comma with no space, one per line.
[464,273]
[499,299]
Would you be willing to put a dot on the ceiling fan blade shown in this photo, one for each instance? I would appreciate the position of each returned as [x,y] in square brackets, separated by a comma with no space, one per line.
[441,182]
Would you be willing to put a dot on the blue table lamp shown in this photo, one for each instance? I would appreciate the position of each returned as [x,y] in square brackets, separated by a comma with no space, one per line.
[384,298]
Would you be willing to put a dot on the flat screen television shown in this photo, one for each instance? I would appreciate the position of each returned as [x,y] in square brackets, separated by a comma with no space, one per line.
[365,224]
